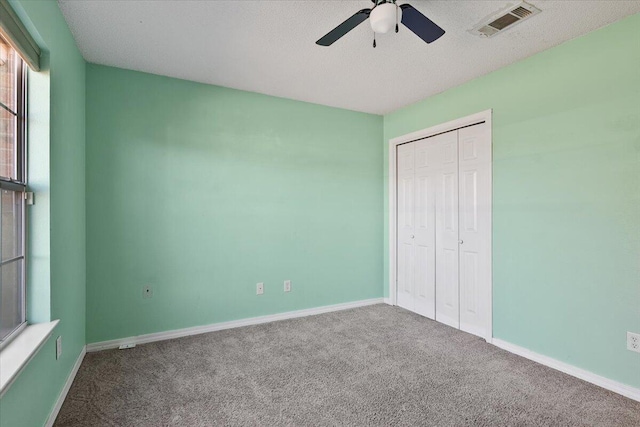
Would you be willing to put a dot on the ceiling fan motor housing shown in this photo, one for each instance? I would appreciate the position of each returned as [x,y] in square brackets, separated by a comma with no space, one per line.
[384,17]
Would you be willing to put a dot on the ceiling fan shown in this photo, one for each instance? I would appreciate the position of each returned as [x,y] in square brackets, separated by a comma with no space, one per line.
[383,15]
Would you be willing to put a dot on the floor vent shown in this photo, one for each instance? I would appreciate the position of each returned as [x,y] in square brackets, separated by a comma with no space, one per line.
[504,19]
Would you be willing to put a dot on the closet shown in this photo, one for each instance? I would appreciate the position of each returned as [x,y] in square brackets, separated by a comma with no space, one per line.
[443,224]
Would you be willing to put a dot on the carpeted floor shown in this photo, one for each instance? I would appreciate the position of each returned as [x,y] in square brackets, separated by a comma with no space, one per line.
[376,365]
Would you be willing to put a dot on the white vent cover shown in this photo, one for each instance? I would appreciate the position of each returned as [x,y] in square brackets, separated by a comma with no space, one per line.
[504,19]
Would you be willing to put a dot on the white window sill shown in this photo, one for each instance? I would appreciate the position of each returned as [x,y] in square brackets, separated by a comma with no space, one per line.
[17,354]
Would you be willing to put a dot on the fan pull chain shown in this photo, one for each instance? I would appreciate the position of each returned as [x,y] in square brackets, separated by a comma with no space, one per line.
[396,18]
[374,39]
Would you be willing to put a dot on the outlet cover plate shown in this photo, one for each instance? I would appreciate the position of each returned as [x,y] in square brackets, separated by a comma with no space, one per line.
[633,342]
[58,347]
[260,288]
[287,285]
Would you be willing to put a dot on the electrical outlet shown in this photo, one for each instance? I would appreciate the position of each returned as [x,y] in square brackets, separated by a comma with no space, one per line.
[633,342]
[287,285]
[260,288]
[58,347]
[147,291]
[126,346]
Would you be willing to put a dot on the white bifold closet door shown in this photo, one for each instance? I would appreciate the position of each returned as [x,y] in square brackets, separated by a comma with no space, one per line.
[444,228]
[446,236]
[474,166]
[416,226]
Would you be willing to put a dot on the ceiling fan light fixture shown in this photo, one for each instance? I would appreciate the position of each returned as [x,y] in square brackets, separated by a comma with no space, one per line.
[383,17]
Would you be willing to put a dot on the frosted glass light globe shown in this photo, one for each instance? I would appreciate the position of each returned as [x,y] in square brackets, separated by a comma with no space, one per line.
[383,17]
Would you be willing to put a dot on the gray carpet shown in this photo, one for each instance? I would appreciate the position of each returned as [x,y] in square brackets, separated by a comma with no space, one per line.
[376,365]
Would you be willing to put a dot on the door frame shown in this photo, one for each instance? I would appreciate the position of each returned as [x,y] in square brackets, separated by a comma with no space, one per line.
[483,116]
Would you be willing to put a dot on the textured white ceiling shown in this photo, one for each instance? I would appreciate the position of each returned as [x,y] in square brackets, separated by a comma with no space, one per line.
[269,46]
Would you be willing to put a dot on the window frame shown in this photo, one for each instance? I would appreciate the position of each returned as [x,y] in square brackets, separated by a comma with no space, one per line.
[19,185]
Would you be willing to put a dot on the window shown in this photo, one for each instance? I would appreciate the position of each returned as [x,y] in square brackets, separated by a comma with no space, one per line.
[12,192]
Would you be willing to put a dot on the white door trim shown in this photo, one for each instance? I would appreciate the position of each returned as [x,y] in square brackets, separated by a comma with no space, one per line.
[484,116]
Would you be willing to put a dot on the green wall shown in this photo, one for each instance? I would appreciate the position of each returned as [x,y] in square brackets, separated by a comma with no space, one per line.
[202,191]
[566,192]
[57,221]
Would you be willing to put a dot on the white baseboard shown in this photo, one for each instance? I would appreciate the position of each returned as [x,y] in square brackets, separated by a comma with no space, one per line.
[387,301]
[65,389]
[616,387]
[177,333]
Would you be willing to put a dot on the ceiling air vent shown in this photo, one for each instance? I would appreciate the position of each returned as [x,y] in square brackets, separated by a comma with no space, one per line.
[504,19]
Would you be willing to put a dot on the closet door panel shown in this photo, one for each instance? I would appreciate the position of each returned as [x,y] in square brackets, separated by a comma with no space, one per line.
[475,229]
[447,287]
[426,167]
[406,224]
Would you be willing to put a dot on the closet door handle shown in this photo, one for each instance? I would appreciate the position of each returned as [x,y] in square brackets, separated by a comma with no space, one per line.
[461,241]
[412,236]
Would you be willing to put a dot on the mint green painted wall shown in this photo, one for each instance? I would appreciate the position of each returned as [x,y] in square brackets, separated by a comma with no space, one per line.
[39,214]
[202,191]
[58,217]
[247,188]
[566,214]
